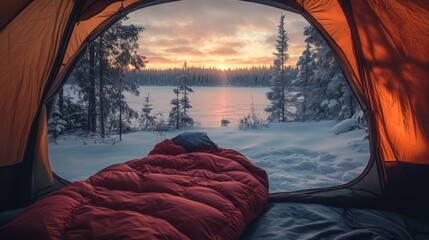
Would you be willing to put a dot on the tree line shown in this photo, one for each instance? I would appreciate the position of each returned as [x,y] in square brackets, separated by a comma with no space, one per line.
[256,76]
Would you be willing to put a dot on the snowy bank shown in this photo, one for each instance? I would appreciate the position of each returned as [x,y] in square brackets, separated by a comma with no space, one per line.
[295,155]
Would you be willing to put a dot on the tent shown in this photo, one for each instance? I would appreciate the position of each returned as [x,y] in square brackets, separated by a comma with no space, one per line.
[381,46]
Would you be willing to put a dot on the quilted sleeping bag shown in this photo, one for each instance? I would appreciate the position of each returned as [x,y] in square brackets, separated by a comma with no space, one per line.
[170,194]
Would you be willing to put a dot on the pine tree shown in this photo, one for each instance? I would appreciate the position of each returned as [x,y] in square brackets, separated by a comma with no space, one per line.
[81,85]
[275,95]
[316,83]
[101,96]
[328,95]
[175,113]
[278,94]
[74,113]
[92,103]
[120,55]
[349,105]
[56,123]
[185,119]
[179,114]
[70,115]
[305,66]
[101,77]
[147,120]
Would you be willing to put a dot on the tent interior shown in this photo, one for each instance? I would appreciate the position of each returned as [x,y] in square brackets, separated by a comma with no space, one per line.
[382,49]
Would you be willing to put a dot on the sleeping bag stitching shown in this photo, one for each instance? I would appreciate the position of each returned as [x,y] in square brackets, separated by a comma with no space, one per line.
[72,214]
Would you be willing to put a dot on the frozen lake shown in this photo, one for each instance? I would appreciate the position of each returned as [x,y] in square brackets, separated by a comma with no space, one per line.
[209,104]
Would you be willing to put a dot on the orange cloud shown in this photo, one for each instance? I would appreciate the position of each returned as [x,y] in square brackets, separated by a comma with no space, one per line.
[224,51]
[161,60]
[183,50]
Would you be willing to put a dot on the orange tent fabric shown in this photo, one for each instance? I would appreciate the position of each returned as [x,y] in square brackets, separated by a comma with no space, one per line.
[385,44]
[28,47]
[382,45]
[394,58]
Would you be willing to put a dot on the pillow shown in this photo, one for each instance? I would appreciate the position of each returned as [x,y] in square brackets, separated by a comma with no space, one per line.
[195,142]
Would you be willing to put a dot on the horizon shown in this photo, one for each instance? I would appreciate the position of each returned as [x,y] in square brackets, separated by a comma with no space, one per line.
[207,68]
[221,34]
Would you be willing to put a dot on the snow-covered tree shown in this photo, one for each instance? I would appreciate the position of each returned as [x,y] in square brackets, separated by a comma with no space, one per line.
[316,82]
[175,113]
[183,89]
[147,120]
[275,95]
[74,113]
[305,66]
[100,75]
[323,87]
[326,94]
[68,114]
[179,114]
[119,114]
[349,105]
[329,79]
[56,123]
[119,55]
[278,108]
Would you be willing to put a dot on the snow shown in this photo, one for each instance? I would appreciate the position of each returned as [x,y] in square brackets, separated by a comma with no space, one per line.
[330,103]
[296,155]
[345,126]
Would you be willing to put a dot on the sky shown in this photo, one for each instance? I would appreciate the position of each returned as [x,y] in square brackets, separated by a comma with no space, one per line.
[215,33]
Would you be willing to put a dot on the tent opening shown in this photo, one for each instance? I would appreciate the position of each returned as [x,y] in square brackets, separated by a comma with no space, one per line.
[145,79]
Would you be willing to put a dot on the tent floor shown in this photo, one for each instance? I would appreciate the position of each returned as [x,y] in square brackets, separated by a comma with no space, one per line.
[313,221]
[7,216]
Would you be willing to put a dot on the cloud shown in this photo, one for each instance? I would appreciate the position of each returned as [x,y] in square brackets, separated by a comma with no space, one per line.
[223,51]
[251,61]
[154,59]
[271,39]
[170,42]
[184,50]
[209,31]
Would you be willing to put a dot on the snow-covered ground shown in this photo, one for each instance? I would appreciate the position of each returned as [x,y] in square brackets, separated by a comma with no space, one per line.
[295,155]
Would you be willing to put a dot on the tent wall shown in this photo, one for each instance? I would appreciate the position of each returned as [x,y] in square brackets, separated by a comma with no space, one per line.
[28,46]
[42,174]
[394,58]
[10,9]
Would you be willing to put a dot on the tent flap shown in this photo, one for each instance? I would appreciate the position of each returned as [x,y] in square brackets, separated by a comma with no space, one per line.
[28,47]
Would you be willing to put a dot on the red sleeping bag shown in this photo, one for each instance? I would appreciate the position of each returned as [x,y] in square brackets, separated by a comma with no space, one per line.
[170,194]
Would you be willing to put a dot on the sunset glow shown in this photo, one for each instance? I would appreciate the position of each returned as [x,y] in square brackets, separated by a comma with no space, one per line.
[214,33]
